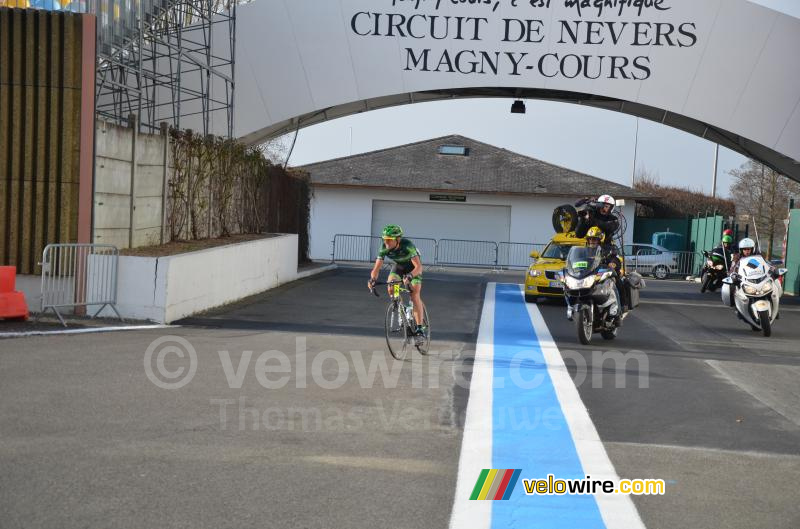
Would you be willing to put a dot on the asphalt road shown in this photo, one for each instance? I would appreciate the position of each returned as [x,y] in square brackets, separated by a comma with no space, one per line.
[297,417]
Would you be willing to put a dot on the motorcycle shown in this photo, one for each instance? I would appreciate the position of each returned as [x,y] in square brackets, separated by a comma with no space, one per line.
[755,292]
[713,272]
[591,295]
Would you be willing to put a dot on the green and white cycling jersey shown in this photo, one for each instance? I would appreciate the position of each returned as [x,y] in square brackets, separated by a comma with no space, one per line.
[402,254]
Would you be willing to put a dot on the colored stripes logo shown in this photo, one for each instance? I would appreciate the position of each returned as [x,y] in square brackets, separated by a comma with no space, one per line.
[495,484]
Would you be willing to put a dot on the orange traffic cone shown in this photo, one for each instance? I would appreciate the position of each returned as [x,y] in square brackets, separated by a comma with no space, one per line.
[12,303]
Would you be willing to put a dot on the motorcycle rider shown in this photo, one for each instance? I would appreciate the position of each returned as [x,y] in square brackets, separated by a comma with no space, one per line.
[747,248]
[725,249]
[729,232]
[600,215]
[594,239]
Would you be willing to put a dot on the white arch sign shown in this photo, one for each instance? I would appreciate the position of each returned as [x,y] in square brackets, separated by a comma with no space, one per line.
[726,70]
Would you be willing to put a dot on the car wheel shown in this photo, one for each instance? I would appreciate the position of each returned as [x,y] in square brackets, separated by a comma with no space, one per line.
[660,272]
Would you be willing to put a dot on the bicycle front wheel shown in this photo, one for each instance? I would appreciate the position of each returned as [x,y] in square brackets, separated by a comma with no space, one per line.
[397,337]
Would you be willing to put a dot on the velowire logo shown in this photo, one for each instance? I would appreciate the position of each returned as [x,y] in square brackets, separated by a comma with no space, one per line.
[495,484]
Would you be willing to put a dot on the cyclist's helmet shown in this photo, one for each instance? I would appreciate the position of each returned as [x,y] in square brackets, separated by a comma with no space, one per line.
[606,200]
[392,230]
[747,243]
[594,233]
[728,232]
[727,239]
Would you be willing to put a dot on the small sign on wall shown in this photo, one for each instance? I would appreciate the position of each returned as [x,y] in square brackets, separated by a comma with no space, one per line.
[448,198]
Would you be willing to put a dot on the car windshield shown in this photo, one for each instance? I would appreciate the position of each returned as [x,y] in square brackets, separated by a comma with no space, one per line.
[583,260]
[556,251]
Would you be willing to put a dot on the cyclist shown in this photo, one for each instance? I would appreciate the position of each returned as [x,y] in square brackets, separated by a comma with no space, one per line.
[407,266]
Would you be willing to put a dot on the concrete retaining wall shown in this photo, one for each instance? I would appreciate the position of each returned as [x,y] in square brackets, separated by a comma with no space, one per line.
[165,289]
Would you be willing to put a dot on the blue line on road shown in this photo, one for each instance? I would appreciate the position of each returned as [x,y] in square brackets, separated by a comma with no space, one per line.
[529,428]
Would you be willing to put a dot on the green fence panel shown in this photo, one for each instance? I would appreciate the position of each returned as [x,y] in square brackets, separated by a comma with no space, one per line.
[791,282]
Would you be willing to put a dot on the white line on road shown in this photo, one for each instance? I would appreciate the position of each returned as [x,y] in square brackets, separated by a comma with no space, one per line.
[85,331]
[712,305]
[476,445]
[617,510]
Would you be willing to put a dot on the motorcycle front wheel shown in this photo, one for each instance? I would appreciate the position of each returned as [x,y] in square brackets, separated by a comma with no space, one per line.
[766,325]
[705,280]
[583,324]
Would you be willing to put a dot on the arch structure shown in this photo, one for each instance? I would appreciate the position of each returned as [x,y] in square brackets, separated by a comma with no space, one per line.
[725,70]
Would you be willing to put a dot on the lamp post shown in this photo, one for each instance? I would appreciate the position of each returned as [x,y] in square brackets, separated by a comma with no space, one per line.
[635,147]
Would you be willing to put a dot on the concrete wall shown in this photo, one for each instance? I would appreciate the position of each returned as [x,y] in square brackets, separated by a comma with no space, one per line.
[113,173]
[349,211]
[165,289]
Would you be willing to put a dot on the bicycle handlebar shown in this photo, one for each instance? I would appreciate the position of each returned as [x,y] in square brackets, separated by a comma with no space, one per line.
[380,283]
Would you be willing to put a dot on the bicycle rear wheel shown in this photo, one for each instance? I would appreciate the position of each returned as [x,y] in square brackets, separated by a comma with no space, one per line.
[424,347]
[397,337]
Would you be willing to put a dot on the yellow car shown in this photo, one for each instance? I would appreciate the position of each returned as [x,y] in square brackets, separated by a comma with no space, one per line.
[541,279]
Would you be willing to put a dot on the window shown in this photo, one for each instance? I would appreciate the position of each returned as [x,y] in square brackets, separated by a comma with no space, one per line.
[454,150]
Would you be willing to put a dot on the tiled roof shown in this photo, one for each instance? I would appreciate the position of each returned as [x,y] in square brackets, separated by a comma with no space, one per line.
[487,169]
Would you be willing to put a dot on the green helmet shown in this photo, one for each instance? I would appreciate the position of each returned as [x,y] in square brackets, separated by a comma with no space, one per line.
[728,239]
[392,230]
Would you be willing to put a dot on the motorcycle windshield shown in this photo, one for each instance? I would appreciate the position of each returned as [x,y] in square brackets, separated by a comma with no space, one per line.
[582,261]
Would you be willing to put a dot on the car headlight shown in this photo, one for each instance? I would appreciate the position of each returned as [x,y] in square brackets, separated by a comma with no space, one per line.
[534,273]
[575,284]
[750,290]
[718,267]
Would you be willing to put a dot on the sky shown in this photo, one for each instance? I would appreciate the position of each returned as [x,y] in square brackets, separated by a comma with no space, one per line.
[594,141]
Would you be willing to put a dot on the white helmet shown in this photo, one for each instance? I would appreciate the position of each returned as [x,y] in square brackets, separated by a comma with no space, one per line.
[747,243]
[607,199]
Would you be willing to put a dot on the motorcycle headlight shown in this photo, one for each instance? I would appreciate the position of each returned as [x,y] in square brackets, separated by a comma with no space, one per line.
[767,287]
[534,273]
[718,267]
[575,284]
[749,290]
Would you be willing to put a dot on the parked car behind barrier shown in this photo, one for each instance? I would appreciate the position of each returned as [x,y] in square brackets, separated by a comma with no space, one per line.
[651,259]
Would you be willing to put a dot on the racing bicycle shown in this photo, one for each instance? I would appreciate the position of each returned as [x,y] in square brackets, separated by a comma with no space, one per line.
[400,321]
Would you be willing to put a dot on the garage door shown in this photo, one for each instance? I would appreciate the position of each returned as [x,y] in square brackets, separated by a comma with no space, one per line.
[446,221]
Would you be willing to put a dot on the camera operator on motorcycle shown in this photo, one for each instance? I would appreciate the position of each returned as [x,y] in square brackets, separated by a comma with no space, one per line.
[595,238]
[597,214]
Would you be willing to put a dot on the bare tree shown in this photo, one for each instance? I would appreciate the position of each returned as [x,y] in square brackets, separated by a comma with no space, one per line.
[763,195]
[675,202]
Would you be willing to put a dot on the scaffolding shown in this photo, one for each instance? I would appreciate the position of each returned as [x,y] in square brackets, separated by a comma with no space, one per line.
[166,61]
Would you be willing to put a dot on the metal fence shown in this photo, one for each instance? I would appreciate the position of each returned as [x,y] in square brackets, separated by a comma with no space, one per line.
[516,254]
[79,275]
[451,252]
[466,253]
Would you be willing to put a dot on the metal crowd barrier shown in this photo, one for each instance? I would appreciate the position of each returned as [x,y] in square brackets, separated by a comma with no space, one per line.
[457,252]
[516,254]
[79,275]
[450,252]
[360,248]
